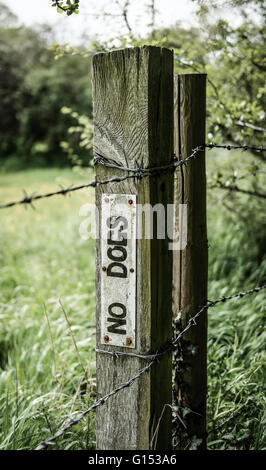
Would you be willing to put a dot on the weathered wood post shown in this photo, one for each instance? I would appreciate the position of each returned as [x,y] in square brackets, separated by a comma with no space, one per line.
[191,263]
[133,123]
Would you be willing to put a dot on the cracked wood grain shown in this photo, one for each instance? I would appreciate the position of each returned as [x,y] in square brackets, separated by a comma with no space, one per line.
[133,125]
[190,266]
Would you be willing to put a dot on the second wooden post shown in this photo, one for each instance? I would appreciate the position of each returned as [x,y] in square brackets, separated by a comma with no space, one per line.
[190,263]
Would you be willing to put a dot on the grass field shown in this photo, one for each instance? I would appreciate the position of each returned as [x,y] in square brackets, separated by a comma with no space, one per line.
[47,368]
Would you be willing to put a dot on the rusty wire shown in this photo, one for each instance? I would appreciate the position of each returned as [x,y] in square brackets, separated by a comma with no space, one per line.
[138,173]
[235,147]
[64,191]
[155,357]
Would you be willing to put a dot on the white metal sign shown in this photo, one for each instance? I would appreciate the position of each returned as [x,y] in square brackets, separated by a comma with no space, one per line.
[118,270]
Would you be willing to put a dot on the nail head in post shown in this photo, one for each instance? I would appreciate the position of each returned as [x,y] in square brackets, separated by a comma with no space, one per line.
[104,268]
[128,341]
[106,339]
[130,202]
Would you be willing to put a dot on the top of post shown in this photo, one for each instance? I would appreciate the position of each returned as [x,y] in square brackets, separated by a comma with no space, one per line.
[132,51]
[133,94]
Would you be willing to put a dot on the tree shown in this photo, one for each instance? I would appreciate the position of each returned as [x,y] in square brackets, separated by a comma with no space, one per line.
[33,89]
[233,58]
[237,94]
[19,49]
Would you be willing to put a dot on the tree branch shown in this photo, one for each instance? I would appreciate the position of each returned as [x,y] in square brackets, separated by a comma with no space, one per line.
[225,133]
[251,126]
[124,13]
[234,187]
[59,6]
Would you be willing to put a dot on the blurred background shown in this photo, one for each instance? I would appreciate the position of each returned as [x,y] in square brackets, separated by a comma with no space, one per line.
[46,143]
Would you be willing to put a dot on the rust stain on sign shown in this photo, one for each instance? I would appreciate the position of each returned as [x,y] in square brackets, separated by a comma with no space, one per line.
[118,273]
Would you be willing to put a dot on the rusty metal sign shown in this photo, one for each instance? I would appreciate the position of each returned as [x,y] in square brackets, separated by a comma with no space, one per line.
[118,270]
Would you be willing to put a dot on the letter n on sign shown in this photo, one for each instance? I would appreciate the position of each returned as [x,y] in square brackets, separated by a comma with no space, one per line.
[118,273]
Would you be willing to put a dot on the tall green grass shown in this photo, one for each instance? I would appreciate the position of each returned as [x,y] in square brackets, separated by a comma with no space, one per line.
[43,259]
[44,380]
[236,346]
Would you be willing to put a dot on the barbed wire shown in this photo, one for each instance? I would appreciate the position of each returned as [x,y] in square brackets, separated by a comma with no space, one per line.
[224,422]
[64,191]
[43,445]
[138,173]
[192,322]
[234,147]
[155,357]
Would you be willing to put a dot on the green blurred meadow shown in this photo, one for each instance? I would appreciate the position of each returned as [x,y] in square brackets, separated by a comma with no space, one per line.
[43,380]
[47,359]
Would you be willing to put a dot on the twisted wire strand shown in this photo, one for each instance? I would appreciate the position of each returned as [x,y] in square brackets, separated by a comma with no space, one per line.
[138,173]
[234,147]
[63,192]
[45,444]
[154,358]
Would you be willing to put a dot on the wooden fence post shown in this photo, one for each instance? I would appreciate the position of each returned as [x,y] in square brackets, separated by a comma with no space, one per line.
[190,265]
[133,126]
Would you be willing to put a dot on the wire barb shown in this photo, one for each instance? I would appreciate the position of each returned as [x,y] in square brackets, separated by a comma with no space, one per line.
[137,173]
[235,147]
[153,358]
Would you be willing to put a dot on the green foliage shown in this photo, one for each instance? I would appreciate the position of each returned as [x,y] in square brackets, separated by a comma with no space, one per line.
[50,88]
[46,117]
[15,163]
[82,133]
[42,383]
[239,111]
[33,89]
[68,6]
[232,57]
[236,353]
[207,6]
[234,60]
